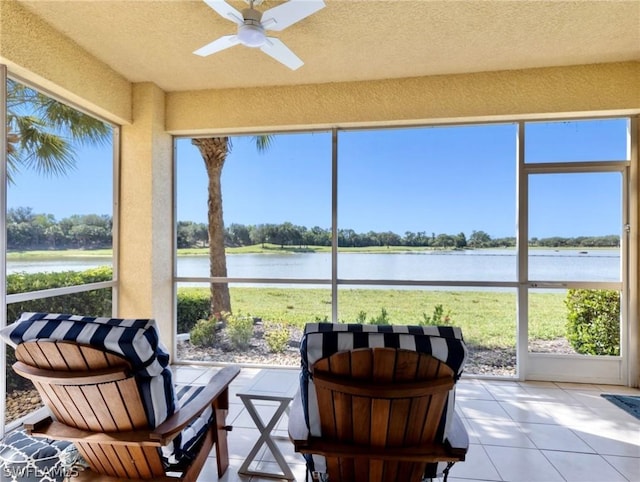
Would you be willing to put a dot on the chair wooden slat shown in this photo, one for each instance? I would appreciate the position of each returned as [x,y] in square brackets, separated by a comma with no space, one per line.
[65,408]
[98,406]
[380,410]
[418,414]
[96,458]
[406,368]
[362,365]
[139,459]
[85,407]
[127,407]
[33,353]
[96,359]
[127,461]
[376,471]
[398,422]
[50,399]
[55,359]
[384,365]
[109,392]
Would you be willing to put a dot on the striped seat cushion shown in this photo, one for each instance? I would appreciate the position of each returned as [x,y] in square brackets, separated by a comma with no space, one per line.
[185,445]
[321,340]
[135,339]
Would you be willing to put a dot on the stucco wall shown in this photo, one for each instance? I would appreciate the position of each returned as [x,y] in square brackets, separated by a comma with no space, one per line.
[581,90]
[39,54]
[145,268]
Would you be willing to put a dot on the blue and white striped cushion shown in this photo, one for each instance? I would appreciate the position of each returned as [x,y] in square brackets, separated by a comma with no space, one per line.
[321,340]
[135,339]
[185,444]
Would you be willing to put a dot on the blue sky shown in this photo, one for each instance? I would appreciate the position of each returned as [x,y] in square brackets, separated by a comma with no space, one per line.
[436,180]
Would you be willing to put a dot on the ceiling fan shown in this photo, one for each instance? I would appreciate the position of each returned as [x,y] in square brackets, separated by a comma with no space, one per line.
[252,25]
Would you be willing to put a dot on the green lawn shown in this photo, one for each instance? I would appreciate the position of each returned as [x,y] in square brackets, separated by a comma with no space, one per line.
[487,318]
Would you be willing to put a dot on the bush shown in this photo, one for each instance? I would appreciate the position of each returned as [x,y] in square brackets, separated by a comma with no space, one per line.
[438,318]
[381,319]
[239,329]
[593,321]
[89,303]
[277,337]
[193,305]
[203,333]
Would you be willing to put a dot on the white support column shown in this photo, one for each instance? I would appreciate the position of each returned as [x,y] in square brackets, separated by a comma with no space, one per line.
[522,247]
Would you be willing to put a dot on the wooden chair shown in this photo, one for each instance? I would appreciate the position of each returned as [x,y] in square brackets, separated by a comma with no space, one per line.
[380,413]
[97,404]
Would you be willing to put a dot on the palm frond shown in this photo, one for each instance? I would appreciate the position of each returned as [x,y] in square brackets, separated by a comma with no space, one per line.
[263,142]
[43,132]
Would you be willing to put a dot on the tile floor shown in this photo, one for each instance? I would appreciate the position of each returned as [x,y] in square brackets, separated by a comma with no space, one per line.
[519,431]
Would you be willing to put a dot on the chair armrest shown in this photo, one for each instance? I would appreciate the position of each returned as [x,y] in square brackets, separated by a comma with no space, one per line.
[181,418]
[436,452]
[49,428]
[298,430]
[457,436]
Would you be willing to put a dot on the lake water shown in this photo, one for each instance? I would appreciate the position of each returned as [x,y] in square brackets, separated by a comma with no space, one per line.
[467,265]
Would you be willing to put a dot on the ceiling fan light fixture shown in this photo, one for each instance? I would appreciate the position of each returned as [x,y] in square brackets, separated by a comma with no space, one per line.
[251,35]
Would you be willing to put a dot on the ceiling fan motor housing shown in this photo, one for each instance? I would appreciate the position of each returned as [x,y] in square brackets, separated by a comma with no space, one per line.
[251,33]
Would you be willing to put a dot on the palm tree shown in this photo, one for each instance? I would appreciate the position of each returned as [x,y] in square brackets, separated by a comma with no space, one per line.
[41,132]
[214,151]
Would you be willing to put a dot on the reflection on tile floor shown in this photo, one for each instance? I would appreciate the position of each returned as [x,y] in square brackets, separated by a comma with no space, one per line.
[519,431]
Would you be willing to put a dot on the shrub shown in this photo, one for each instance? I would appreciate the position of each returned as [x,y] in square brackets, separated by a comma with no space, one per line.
[193,305]
[239,329]
[438,318]
[203,333]
[90,303]
[593,321]
[277,337]
[381,319]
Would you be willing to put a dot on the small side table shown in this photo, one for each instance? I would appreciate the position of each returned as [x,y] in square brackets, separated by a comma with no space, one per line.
[273,385]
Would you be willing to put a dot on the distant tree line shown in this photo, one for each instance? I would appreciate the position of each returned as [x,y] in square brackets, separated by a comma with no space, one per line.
[191,234]
[27,230]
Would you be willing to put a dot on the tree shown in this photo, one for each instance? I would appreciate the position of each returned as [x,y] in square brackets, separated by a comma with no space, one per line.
[42,132]
[214,151]
[479,239]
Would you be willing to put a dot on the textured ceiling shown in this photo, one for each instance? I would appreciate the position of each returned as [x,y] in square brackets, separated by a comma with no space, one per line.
[348,40]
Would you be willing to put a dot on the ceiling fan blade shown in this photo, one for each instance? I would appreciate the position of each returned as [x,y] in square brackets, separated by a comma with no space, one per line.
[217,45]
[280,17]
[225,10]
[279,51]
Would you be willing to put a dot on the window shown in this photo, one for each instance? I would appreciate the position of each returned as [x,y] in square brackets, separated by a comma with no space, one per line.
[59,219]
[415,225]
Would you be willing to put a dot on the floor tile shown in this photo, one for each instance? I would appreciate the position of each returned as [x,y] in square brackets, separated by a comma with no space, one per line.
[548,394]
[468,390]
[554,437]
[241,441]
[299,471]
[576,386]
[624,444]
[525,411]
[499,432]
[518,464]
[505,390]
[576,467]
[627,466]
[482,409]
[476,466]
